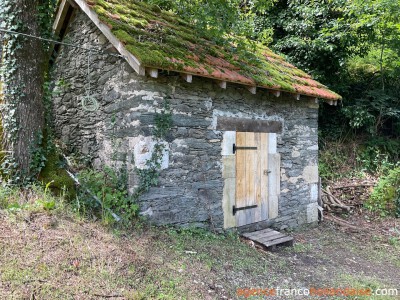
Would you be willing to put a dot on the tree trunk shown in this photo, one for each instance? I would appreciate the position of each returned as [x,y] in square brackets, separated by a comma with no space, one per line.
[23,79]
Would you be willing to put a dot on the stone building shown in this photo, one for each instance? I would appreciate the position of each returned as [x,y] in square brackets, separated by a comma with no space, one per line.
[242,150]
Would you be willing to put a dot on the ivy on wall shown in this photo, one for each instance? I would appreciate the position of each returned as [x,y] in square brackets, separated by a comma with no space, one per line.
[110,184]
[148,177]
[24,65]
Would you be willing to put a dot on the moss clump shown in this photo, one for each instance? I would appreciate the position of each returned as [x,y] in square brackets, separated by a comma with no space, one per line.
[124,37]
[61,182]
[162,40]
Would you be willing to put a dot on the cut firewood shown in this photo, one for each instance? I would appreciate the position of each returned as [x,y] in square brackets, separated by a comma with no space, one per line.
[353,185]
[341,222]
[333,201]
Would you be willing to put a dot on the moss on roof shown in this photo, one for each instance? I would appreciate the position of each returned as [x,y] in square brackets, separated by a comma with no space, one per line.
[160,39]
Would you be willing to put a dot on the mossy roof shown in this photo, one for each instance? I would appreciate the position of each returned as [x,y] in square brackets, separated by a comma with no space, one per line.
[160,39]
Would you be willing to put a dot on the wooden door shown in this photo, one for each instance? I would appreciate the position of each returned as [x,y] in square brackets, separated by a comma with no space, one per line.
[251,150]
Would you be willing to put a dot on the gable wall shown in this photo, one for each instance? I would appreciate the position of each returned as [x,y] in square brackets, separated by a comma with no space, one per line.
[191,188]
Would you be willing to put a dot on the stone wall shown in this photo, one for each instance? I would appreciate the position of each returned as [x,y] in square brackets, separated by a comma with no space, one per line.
[190,191]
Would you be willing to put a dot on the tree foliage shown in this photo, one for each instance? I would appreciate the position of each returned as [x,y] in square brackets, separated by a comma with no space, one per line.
[222,20]
[353,47]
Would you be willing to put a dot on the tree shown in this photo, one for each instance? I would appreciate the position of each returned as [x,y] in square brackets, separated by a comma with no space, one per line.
[222,20]
[374,94]
[24,64]
[317,36]
[351,46]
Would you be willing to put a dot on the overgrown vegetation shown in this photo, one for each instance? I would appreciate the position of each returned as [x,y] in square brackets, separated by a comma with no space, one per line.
[352,46]
[386,196]
[164,40]
[104,193]
[31,198]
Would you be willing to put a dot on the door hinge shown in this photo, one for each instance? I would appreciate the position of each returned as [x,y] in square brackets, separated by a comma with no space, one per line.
[235,209]
[242,148]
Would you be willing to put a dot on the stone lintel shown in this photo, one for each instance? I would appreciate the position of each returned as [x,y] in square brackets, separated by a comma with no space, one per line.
[248,125]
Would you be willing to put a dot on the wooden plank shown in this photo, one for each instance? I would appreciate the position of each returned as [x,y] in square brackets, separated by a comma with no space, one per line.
[274,184]
[276,93]
[222,84]
[187,77]
[240,178]
[228,139]
[60,16]
[248,125]
[152,72]
[229,198]
[279,241]
[257,233]
[250,161]
[228,166]
[132,60]
[270,237]
[252,89]
[72,3]
[258,176]
[264,177]
[263,234]
[272,143]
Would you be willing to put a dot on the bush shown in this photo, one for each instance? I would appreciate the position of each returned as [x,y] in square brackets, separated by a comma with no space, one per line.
[110,189]
[385,198]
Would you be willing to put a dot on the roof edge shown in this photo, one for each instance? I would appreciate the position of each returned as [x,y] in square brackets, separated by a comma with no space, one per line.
[129,57]
[140,69]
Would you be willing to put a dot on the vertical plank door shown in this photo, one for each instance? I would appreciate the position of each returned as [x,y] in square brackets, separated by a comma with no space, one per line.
[251,177]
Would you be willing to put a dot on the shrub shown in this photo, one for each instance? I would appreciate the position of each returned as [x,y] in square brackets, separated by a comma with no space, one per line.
[385,198]
[109,187]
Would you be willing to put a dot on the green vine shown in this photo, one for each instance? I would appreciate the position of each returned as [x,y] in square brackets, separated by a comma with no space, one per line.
[110,183]
[149,176]
[9,66]
[9,102]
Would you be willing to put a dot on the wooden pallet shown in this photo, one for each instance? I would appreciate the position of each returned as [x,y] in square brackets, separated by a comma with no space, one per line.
[269,238]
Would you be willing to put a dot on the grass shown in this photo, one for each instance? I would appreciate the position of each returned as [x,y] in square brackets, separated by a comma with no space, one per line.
[55,254]
[361,282]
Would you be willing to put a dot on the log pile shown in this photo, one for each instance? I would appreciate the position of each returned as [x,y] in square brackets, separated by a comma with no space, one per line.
[332,203]
[347,195]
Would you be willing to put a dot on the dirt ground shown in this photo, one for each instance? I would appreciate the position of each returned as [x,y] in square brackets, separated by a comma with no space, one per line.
[60,256]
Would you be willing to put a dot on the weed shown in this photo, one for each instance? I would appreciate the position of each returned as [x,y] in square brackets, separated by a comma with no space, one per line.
[109,194]
[359,282]
[8,196]
[300,248]
[394,241]
[385,197]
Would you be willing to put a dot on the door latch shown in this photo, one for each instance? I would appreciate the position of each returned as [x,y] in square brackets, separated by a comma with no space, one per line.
[266,172]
